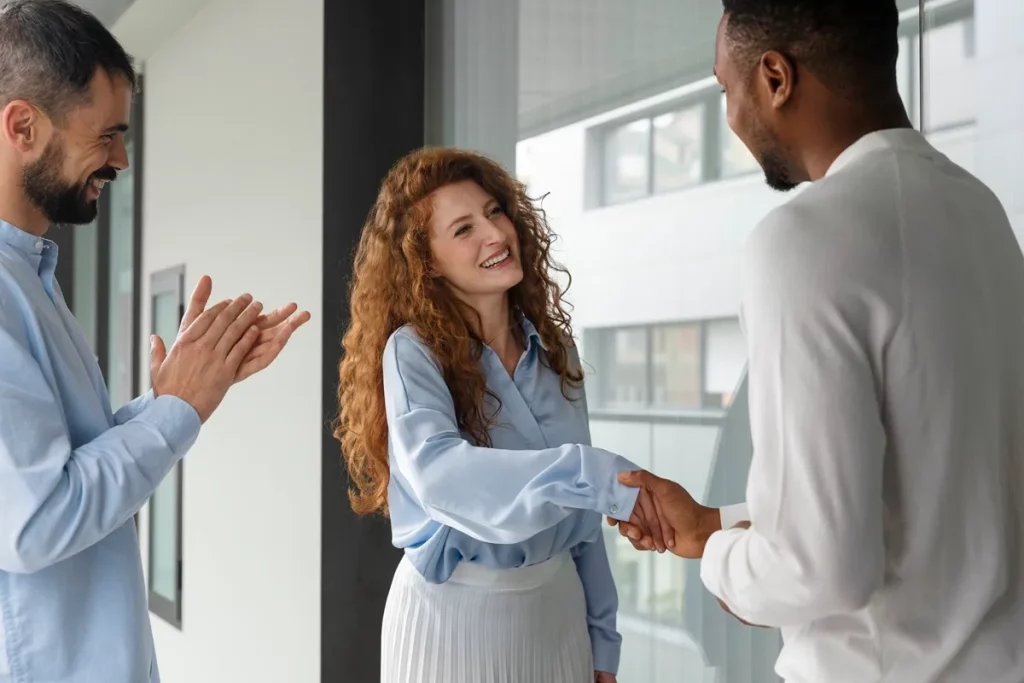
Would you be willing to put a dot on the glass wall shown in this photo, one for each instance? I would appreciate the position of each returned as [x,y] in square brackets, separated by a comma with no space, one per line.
[84,288]
[608,110]
[121,307]
[102,281]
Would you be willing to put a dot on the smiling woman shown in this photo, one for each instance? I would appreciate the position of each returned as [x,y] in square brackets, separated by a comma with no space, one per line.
[463,417]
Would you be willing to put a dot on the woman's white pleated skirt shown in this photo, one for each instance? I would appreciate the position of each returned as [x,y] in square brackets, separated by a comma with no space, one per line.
[524,625]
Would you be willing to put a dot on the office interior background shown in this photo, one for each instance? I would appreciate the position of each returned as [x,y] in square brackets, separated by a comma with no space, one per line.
[258,139]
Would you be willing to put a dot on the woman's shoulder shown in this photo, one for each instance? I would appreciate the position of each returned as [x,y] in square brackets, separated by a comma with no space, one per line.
[405,346]
[407,350]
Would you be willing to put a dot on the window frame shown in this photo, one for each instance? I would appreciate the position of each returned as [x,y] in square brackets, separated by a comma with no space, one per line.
[598,357]
[133,135]
[913,25]
[168,281]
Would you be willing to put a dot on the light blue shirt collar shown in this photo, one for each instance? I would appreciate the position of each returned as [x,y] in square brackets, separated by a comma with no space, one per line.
[39,252]
[530,332]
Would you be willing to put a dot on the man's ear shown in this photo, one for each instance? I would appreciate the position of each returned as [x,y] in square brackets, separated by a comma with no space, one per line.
[24,126]
[777,75]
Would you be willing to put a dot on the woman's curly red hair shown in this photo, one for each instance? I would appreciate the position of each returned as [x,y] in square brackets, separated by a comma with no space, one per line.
[392,286]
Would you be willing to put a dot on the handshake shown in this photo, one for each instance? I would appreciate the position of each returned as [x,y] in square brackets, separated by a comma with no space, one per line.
[666,517]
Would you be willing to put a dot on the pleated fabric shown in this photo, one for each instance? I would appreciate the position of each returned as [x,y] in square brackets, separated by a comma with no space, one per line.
[524,625]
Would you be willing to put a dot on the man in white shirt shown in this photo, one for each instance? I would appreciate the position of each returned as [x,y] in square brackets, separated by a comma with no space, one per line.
[884,314]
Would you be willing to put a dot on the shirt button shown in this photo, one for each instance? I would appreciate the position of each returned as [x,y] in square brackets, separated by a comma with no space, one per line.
[39,244]
[614,509]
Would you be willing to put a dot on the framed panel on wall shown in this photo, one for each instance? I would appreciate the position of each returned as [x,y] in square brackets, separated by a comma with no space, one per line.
[167,307]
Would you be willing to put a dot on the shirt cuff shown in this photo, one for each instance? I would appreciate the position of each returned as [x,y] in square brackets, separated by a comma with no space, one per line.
[733,515]
[618,500]
[175,419]
[606,654]
[713,563]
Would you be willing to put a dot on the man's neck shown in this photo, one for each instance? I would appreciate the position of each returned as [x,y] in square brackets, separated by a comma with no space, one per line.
[17,210]
[846,129]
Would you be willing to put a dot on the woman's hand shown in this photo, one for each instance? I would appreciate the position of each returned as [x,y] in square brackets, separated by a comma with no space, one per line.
[604,677]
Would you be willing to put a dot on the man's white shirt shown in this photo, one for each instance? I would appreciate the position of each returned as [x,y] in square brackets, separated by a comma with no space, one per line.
[884,314]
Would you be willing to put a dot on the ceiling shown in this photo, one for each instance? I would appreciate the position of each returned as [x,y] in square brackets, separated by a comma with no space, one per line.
[107,11]
[578,58]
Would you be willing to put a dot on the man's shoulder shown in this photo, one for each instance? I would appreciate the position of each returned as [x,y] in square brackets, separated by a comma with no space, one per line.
[837,216]
[11,288]
[15,310]
[789,231]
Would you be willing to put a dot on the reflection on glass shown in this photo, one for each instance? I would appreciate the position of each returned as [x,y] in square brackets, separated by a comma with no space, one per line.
[906,76]
[163,511]
[85,291]
[122,281]
[676,370]
[626,162]
[725,359]
[163,523]
[736,158]
[620,107]
[949,95]
[678,149]
[628,385]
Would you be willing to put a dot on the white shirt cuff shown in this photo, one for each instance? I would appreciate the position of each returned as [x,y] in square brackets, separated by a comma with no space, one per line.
[713,564]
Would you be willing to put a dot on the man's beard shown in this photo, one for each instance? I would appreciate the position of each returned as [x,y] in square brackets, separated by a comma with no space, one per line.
[770,155]
[776,170]
[62,202]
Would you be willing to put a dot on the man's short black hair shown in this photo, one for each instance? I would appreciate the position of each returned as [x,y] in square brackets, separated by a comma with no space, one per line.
[50,51]
[851,45]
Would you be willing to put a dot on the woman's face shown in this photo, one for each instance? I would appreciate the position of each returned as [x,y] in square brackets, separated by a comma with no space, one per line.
[473,243]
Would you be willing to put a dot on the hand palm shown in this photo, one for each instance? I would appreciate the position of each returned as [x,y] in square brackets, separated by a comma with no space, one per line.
[275,328]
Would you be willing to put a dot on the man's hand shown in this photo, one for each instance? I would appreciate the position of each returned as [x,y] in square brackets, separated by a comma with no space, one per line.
[691,524]
[604,677]
[651,525]
[275,329]
[204,360]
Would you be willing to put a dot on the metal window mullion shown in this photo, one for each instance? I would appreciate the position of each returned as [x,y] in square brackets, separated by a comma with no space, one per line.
[650,156]
[103,277]
[712,149]
[921,27]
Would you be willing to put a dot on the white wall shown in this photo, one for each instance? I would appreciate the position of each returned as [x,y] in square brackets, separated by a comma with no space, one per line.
[232,173]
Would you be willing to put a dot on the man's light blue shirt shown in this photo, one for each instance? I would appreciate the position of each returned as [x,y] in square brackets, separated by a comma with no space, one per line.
[73,603]
[540,491]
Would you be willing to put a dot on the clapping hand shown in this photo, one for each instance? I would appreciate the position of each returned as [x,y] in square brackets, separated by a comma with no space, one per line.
[667,516]
[275,329]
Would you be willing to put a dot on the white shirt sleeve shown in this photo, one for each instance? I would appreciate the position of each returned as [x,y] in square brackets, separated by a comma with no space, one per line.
[815,547]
